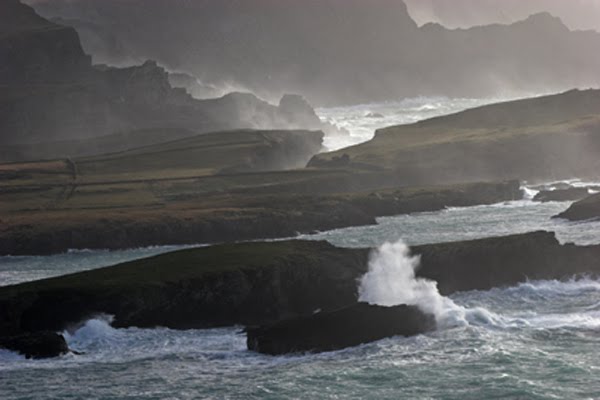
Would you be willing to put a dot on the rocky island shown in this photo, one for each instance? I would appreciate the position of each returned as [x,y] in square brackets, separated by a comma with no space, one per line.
[260,283]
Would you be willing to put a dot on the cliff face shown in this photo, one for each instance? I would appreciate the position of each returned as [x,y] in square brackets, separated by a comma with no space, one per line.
[50,91]
[340,51]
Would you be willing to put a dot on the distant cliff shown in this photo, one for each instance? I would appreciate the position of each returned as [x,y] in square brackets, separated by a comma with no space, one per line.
[52,92]
[336,51]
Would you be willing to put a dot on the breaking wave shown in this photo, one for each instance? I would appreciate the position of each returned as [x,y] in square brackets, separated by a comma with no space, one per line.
[391,280]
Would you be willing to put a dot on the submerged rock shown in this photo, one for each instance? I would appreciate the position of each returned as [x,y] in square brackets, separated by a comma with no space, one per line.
[42,344]
[350,326]
[586,209]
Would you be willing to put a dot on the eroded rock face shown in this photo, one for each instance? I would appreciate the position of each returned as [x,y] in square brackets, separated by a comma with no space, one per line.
[326,331]
[36,344]
[586,209]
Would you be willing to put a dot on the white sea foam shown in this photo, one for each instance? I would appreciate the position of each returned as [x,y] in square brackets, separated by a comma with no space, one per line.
[391,280]
[573,286]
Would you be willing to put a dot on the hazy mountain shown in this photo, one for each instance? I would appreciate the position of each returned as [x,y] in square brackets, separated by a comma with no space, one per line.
[335,51]
[576,14]
[50,91]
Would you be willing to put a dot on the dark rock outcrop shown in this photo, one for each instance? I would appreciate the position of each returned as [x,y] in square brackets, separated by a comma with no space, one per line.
[570,194]
[223,285]
[43,344]
[260,283]
[347,327]
[504,261]
[582,210]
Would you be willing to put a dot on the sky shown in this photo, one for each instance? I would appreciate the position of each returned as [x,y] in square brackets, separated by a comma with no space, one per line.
[576,14]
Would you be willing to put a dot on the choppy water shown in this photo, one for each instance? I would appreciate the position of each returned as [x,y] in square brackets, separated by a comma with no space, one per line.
[541,343]
[361,121]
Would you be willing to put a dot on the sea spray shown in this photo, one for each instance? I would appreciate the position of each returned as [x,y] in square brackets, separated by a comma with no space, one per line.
[391,280]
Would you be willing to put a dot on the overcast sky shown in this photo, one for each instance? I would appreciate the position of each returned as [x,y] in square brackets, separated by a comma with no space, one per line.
[577,14]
